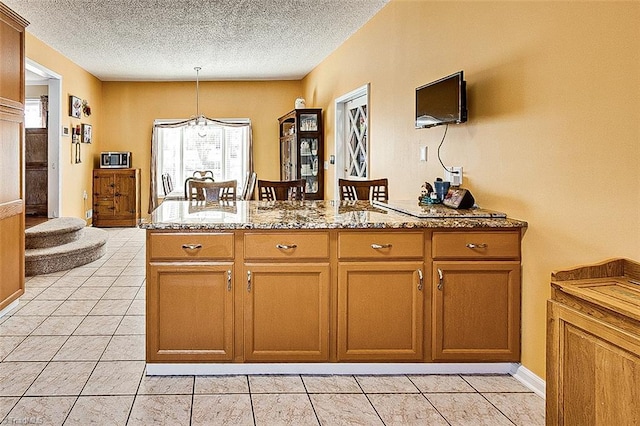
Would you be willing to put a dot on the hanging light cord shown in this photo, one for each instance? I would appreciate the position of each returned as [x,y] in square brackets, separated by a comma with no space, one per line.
[197,91]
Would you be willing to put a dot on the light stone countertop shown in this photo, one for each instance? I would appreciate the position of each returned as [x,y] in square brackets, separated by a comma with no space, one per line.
[324,214]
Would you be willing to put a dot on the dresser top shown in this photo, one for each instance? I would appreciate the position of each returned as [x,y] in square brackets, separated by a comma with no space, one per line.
[323,214]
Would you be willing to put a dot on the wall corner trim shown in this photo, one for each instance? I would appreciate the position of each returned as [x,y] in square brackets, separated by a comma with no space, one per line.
[530,380]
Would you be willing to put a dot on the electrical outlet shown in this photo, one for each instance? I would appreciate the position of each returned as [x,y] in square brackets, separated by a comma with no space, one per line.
[454,175]
[88,214]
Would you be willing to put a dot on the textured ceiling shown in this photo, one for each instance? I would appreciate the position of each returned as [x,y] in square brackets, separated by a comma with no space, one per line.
[151,40]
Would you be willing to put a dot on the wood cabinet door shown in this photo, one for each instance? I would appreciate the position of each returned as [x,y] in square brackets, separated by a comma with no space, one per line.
[125,194]
[593,371]
[380,311]
[286,312]
[190,312]
[104,187]
[476,311]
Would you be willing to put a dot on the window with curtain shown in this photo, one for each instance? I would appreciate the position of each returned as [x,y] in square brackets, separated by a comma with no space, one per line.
[181,148]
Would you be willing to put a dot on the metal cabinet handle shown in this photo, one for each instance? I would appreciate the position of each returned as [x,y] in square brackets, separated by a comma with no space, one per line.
[479,245]
[192,246]
[249,281]
[380,246]
[229,280]
[286,246]
[420,280]
[440,279]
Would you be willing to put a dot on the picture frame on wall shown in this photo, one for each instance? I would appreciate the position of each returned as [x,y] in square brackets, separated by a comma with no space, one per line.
[75,106]
[86,133]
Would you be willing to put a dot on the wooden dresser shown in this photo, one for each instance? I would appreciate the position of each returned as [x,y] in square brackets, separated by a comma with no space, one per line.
[593,345]
[116,197]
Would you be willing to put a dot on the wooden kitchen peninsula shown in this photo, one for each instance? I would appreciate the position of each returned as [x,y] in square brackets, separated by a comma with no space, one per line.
[330,282]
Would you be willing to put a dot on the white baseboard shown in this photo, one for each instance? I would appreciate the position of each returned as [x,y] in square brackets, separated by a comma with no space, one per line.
[530,380]
[329,368]
[9,307]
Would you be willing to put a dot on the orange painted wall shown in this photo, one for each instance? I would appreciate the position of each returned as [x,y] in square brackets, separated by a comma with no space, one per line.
[553,135]
[131,108]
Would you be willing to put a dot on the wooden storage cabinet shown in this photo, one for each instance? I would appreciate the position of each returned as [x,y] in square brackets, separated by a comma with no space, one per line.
[332,296]
[12,174]
[476,299]
[380,304]
[190,296]
[116,197]
[593,345]
[302,149]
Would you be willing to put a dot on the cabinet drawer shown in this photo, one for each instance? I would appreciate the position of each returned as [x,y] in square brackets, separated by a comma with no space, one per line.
[476,245]
[192,245]
[286,245]
[380,245]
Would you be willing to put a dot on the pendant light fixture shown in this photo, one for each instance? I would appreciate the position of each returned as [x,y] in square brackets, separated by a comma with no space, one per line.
[200,120]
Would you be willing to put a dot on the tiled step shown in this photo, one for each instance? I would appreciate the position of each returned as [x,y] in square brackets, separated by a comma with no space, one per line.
[54,232]
[75,246]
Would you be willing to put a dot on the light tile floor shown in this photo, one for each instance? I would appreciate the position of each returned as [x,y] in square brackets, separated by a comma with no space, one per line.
[72,353]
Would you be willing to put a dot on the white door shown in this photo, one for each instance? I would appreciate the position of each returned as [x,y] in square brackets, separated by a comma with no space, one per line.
[352,136]
[356,144]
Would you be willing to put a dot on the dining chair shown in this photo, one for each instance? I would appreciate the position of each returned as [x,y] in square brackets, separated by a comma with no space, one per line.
[167,183]
[203,174]
[203,190]
[281,190]
[376,189]
[249,186]
[188,193]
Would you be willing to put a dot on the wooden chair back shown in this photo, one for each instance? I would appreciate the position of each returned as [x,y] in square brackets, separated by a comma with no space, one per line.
[188,191]
[269,190]
[369,190]
[167,183]
[203,174]
[202,190]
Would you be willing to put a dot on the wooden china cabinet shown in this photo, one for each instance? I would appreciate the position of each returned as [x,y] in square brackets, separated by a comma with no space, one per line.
[302,149]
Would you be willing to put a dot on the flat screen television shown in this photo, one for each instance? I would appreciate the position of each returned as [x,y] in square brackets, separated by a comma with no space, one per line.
[443,101]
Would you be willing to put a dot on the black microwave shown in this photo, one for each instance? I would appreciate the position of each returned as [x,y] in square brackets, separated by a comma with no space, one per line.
[115,160]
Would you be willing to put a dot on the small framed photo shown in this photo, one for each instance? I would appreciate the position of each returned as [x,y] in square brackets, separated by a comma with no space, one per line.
[65,131]
[86,133]
[75,107]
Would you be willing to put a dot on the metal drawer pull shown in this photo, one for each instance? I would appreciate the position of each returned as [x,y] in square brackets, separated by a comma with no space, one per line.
[479,245]
[229,280]
[380,246]
[421,280]
[249,281]
[440,279]
[192,246]
[286,246]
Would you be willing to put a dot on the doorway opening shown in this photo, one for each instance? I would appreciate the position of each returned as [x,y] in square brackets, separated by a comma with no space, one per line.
[51,83]
[352,136]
